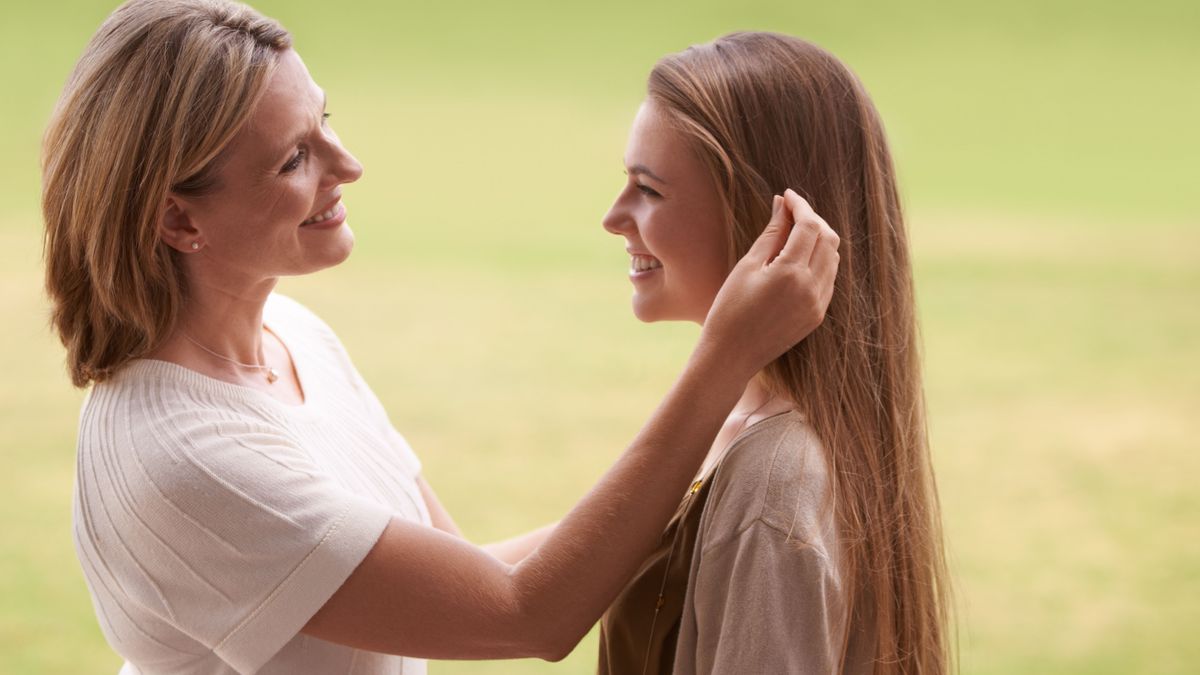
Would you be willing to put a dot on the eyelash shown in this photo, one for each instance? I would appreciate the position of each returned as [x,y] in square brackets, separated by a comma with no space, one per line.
[294,163]
[647,190]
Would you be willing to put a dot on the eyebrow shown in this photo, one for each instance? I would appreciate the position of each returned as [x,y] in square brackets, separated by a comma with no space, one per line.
[643,170]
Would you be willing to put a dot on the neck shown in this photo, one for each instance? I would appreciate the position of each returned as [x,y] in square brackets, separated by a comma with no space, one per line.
[229,322]
[755,396]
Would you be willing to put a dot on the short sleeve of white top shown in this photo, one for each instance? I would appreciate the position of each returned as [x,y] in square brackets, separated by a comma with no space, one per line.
[212,521]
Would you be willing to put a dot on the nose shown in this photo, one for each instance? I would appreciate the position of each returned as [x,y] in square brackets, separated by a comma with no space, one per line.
[348,168]
[343,166]
[617,220]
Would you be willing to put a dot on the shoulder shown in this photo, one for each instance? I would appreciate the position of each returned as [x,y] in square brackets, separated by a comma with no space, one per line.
[157,424]
[177,444]
[199,512]
[775,476]
[164,398]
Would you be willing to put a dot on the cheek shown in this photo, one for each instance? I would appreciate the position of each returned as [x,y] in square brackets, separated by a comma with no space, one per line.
[696,255]
[292,202]
[280,213]
[706,280]
[258,222]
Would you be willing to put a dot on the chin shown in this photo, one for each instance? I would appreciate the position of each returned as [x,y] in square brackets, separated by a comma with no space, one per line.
[345,238]
[333,253]
[645,309]
[648,311]
[643,315]
[344,246]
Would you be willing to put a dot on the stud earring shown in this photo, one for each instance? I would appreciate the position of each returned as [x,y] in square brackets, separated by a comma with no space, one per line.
[195,246]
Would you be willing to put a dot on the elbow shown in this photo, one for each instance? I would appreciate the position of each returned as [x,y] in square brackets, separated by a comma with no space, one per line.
[557,648]
[531,643]
[545,633]
[547,638]
[547,620]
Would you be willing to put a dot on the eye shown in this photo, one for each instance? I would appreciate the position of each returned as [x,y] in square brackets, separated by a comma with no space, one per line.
[294,163]
[325,118]
[647,190]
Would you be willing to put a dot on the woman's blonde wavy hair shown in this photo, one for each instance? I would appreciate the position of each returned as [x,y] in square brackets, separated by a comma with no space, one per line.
[158,93]
[767,112]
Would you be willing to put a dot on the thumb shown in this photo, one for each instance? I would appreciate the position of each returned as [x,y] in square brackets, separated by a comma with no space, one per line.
[771,241]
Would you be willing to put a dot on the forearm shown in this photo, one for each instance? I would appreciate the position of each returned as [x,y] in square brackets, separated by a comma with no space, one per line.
[424,592]
[516,549]
[567,583]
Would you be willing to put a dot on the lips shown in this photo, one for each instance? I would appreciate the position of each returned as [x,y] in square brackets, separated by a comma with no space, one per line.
[329,211]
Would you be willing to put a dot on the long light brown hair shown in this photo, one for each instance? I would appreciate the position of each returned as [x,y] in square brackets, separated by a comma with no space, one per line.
[767,112]
[158,93]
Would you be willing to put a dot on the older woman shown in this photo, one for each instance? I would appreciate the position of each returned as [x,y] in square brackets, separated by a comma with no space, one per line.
[242,502]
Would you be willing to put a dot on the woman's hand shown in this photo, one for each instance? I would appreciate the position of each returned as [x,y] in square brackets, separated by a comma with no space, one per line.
[778,293]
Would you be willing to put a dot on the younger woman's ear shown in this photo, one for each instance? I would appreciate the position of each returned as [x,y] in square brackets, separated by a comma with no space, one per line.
[176,228]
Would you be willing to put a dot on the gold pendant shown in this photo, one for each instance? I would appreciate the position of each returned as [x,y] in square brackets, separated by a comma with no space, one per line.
[272,376]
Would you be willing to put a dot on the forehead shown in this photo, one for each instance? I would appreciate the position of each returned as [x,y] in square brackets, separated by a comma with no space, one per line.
[652,140]
[285,110]
[658,145]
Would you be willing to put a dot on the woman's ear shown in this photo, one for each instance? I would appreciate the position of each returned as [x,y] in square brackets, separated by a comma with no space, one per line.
[176,228]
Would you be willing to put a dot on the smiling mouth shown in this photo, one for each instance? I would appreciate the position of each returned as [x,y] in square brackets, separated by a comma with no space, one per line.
[328,213]
[643,263]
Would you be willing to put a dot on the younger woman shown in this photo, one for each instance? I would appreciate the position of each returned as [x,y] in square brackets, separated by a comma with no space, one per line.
[810,541]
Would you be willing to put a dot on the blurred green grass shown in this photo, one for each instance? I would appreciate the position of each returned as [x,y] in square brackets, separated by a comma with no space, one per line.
[1047,153]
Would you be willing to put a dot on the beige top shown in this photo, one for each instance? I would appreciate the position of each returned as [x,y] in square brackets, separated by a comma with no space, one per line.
[640,628]
[765,594]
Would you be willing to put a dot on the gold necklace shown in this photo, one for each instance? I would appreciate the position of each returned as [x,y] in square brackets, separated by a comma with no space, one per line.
[272,374]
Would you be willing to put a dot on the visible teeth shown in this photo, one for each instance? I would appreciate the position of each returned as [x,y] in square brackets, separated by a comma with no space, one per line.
[641,263]
[321,217]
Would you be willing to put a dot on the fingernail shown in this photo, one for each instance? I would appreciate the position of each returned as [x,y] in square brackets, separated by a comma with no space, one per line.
[775,202]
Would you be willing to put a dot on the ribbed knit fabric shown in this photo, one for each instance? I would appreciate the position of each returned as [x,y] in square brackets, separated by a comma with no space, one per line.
[212,521]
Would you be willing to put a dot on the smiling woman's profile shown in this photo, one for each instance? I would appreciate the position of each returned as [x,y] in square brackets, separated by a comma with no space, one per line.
[810,540]
[671,216]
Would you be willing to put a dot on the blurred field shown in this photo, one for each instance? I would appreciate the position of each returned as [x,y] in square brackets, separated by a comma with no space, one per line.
[1048,154]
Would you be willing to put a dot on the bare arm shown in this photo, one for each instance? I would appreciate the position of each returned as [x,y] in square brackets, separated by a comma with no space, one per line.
[423,592]
[516,549]
[438,515]
[511,551]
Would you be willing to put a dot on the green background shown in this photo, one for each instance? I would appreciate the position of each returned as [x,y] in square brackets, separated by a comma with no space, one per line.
[1047,152]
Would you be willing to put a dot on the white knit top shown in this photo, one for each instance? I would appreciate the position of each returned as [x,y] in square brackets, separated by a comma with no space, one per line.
[213,521]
